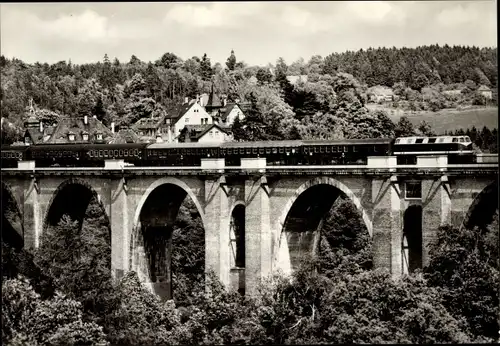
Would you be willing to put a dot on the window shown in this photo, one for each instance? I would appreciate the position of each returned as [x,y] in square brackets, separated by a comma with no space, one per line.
[455,140]
[187,120]
[441,140]
[467,139]
[211,133]
[85,136]
[398,140]
[99,136]
[71,137]
[167,121]
[216,133]
[413,190]
[419,140]
[432,140]
[462,140]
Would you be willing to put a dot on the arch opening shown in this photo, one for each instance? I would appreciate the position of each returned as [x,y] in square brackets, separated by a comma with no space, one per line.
[237,248]
[483,208]
[12,226]
[412,239]
[168,246]
[71,199]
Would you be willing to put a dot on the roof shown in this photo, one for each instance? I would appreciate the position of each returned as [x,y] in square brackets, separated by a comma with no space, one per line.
[38,137]
[227,110]
[483,88]
[195,132]
[296,79]
[213,101]
[125,136]
[78,127]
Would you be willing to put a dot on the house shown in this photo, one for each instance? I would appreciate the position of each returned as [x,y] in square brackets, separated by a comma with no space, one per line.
[81,130]
[36,132]
[212,133]
[485,92]
[380,94]
[191,113]
[125,135]
[230,113]
[296,79]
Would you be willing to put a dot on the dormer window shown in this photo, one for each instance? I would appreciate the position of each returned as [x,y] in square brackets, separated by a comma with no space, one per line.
[85,136]
[99,136]
[167,121]
[71,137]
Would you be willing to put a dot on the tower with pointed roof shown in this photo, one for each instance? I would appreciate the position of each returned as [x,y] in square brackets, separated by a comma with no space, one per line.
[213,105]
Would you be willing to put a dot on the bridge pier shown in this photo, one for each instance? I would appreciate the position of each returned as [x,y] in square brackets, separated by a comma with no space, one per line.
[121,228]
[258,234]
[387,225]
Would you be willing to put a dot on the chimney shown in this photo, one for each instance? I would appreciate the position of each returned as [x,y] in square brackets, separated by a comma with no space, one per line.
[186,100]
[170,134]
[95,117]
[86,120]
[41,126]
[112,127]
[224,101]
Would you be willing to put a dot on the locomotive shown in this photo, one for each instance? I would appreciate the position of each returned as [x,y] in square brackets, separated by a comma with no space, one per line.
[278,153]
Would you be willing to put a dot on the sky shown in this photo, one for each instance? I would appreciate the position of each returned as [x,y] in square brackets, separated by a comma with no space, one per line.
[258,32]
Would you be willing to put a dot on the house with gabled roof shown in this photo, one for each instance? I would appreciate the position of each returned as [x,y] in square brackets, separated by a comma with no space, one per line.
[80,130]
[485,91]
[212,133]
[36,132]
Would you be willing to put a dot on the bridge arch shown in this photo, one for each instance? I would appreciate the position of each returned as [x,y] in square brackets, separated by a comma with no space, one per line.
[12,225]
[151,239]
[283,253]
[66,191]
[482,208]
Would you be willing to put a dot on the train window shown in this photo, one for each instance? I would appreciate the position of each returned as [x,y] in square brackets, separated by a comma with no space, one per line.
[354,149]
[281,150]
[419,140]
[462,140]
[455,140]
[254,150]
[398,140]
[261,150]
[136,152]
[321,149]
[441,140]
[242,151]
[334,149]
[346,149]
[467,139]
[375,149]
[105,153]
[306,150]
[315,149]
[268,150]
[120,152]
[125,152]
[249,151]
[229,151]
[275,150]
[432,140]
[327,149]
[115,153]
[413,189]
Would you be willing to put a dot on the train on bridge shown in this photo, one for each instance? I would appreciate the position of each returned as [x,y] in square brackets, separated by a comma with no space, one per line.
[285,153]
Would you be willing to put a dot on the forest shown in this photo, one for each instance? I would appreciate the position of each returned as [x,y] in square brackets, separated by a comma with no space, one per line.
[62,293]
[329,105]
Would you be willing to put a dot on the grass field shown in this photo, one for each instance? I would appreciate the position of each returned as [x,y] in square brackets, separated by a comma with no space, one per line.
[451,119]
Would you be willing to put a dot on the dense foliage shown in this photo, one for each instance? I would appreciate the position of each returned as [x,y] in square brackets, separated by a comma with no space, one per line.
[330,104]
[334,298]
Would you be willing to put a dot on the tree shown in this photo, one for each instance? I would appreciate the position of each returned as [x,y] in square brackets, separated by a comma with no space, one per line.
[205,68]
[464,265]
[425,129]
[231,61]
[168,60]
[264,76]
[404,128]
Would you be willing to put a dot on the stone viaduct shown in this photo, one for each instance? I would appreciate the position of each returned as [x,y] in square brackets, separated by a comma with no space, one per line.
[278,208]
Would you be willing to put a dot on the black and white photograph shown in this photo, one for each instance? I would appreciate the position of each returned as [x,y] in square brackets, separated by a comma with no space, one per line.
[251,172]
